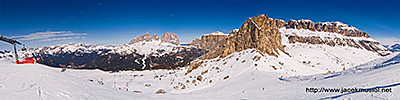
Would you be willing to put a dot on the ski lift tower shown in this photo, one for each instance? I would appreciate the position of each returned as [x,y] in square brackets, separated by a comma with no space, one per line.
[13,42]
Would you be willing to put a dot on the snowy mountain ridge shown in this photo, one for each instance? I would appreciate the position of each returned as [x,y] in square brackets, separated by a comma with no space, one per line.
[395,47]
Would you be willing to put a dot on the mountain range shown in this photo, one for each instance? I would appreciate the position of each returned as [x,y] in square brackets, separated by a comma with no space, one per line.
[264,58]
[303,42]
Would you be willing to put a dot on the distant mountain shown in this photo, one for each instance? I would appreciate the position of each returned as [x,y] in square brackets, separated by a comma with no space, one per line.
[395,47]
[143,52]
[166,37]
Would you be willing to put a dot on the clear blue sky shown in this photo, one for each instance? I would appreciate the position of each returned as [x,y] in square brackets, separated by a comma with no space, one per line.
[48,22]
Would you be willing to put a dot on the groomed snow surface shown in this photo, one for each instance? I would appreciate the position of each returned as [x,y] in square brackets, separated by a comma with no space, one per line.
[246,81]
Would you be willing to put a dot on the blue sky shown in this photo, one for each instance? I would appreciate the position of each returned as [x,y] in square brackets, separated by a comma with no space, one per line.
[41,23]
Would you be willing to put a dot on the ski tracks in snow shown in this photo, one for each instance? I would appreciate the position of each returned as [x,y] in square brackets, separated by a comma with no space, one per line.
[28,85]
[367,67]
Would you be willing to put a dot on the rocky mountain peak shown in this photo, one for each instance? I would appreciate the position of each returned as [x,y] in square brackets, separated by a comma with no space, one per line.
[170,38]
[166,37]
[258,32]
[144,37]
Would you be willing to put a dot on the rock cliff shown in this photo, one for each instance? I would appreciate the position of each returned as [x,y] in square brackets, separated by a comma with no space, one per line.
[258,32]
[208,41]
[334,27]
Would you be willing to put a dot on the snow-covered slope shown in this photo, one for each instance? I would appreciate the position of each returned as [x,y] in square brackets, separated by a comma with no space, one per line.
[207,73]
[39,82]
[324,56]
[245,81]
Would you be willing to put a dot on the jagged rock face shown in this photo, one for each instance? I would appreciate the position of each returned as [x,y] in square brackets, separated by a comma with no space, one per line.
[258,32]
[208,41]
[334,27]
[170,38]
[145,37]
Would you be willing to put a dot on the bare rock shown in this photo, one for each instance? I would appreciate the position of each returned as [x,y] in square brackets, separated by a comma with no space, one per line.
[170,38]
[258,32]
[209,41]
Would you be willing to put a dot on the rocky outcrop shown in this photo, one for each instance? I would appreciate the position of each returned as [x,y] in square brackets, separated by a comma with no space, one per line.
[145,37]
[334,27]
[170,38]
[258,32]
[208,41]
